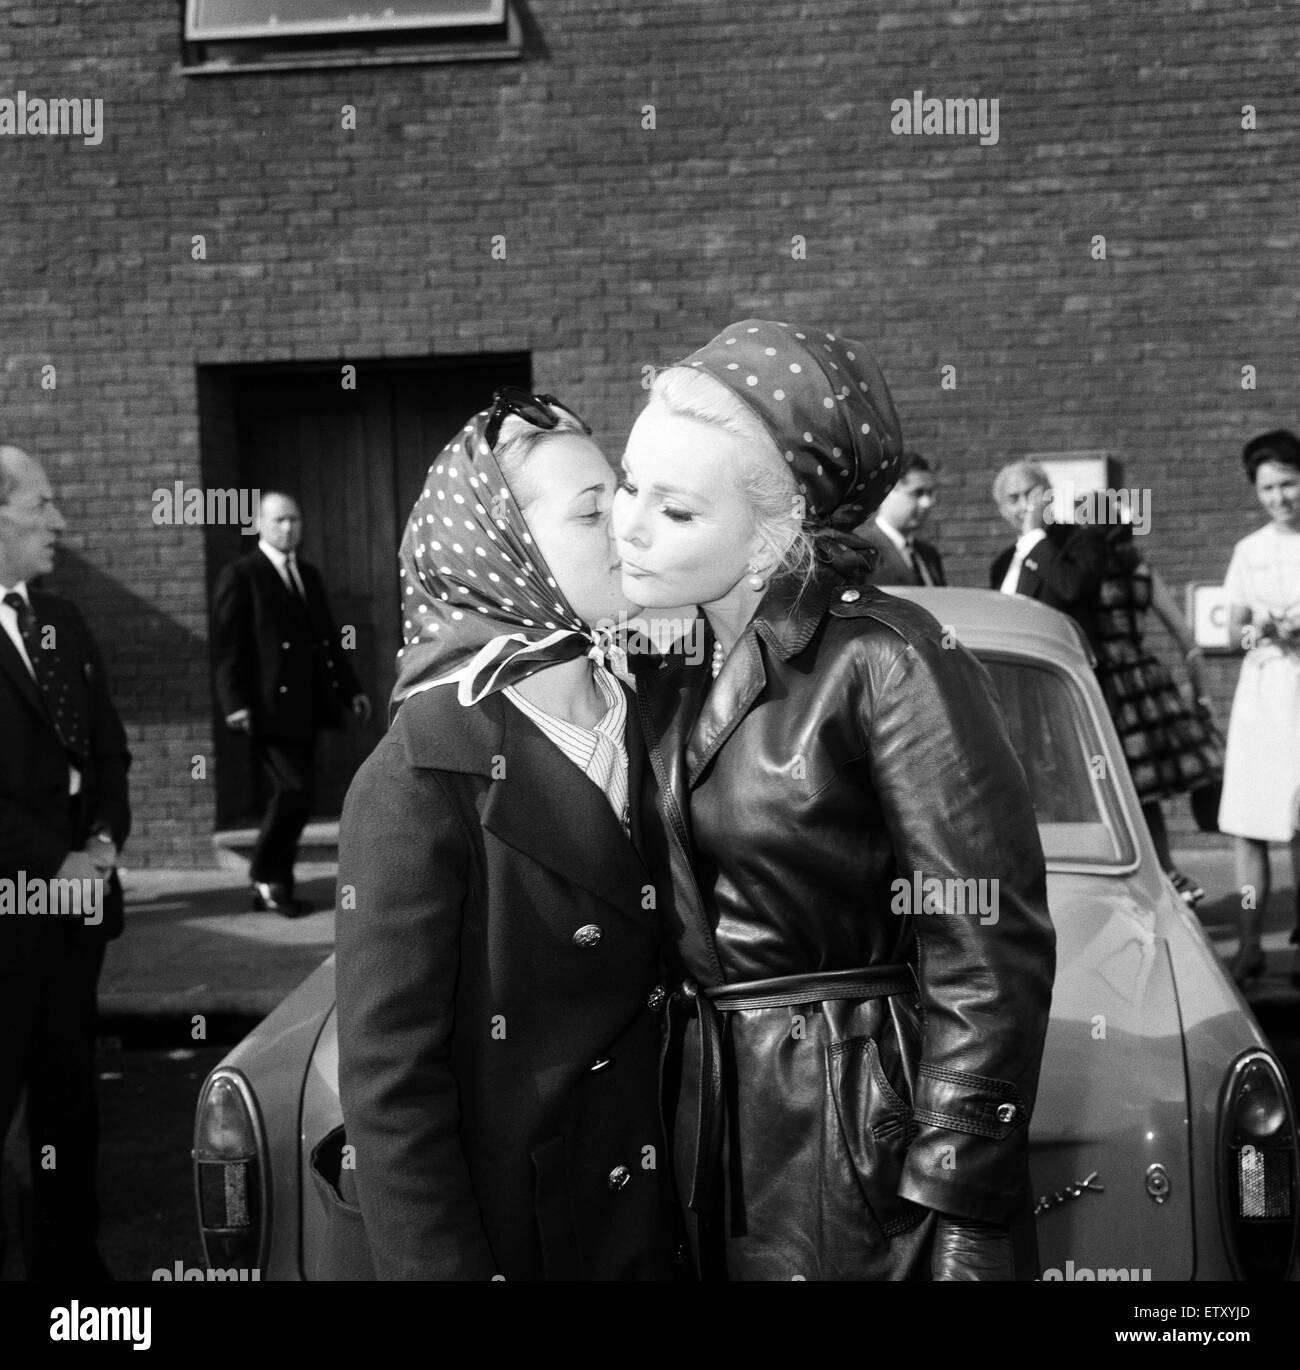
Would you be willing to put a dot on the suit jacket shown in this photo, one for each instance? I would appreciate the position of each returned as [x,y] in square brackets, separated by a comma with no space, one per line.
[891,567]
[37,823]
[1063,571]
[497,1022]
[276,657]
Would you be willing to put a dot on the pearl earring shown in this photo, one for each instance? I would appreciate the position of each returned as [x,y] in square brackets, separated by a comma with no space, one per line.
[753,579]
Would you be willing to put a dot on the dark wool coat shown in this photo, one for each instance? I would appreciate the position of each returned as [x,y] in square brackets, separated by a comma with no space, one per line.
[36,829]
[499,1009]
[1064,571]
[276,657]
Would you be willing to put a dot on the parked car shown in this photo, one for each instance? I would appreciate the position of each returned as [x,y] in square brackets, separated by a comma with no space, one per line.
[1164,1141]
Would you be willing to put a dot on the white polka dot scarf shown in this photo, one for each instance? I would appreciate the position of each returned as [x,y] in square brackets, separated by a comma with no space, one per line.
[826,405]
[480,608]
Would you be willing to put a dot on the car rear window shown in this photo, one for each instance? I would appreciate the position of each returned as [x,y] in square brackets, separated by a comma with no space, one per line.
[1069,772]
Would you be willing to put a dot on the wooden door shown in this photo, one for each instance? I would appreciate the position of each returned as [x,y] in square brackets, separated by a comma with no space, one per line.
[355,460]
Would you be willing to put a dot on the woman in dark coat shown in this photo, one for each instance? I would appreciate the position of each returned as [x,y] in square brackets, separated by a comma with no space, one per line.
[499,996]
[858,896]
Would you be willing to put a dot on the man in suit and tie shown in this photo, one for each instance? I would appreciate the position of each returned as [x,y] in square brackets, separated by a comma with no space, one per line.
[902,558]
[64,815]
[1060,564]
[282,675]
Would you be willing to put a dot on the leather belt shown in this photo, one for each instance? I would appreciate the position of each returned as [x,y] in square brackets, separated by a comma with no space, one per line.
[709,1004]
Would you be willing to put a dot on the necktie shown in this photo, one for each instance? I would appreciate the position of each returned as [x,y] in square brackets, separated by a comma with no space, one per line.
[56,678]
[915,562]
[295,583]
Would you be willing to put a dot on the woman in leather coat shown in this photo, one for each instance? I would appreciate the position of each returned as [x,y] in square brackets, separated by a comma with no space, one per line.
[857,901]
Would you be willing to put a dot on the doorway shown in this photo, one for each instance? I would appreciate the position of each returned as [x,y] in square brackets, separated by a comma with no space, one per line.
[355,460]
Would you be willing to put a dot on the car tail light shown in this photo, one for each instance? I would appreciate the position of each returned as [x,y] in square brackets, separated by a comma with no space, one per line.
[1258,1169]
[231,1178]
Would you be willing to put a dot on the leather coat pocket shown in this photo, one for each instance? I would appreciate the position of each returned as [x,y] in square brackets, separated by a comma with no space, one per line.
[876,1126]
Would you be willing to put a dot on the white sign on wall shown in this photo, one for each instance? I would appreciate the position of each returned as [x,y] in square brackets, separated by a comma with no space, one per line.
[1207,613]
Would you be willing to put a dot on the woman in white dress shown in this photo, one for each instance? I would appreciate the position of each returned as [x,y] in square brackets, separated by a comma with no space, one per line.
[1261,776]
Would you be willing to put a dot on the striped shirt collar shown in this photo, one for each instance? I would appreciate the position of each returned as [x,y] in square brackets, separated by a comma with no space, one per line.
[600,753]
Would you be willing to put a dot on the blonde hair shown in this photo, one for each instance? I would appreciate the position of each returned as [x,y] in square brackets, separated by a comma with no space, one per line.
[764,479]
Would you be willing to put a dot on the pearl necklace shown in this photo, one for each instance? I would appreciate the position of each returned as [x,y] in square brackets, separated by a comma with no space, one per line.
[719,656]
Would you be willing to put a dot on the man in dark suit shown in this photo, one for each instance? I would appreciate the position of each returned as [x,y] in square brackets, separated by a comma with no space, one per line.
[902,558]
[1059,563]
[282,675]
[64,815]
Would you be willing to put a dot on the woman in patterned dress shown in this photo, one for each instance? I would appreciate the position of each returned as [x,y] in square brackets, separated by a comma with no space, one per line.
[1169,747]
[1261,774]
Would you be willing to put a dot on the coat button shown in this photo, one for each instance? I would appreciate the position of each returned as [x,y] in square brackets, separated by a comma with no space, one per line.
[587,935]
[620,1177]
[656,999]
[284,689]
[850,596]
[285,645]
[1006,1113]
[603,1064]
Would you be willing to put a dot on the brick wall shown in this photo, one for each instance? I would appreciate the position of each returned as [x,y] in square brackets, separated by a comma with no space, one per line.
[627,246]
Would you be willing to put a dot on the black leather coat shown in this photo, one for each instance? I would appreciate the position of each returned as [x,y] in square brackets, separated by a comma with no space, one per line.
[848,744]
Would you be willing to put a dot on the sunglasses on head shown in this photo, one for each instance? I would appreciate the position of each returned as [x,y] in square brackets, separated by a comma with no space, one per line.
[538,410]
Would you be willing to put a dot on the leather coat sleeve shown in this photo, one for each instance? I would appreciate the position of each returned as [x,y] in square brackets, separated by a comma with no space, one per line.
[957,807]
[407,859]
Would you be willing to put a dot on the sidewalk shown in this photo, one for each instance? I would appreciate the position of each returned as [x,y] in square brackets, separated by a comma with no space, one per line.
[192,946]
[1215,870]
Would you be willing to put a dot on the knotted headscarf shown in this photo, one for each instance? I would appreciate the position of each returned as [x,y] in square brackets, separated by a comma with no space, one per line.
[827,407]
[480,607]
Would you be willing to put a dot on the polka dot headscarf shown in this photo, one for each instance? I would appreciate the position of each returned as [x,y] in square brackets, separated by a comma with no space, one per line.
[826,405]
[480,608]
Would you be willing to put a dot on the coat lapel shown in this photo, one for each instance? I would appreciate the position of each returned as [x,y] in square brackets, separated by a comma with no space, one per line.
[274,588]
[734,691]
[13,666]
[668,699]
[896,568]
[786,621]
[546,809]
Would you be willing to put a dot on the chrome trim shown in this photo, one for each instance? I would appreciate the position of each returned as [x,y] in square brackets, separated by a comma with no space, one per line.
[1127,830]
[1226,1218]
[240,1081]
[1075,1190]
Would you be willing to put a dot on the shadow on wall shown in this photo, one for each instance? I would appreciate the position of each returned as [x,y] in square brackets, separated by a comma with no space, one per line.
[148,656]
